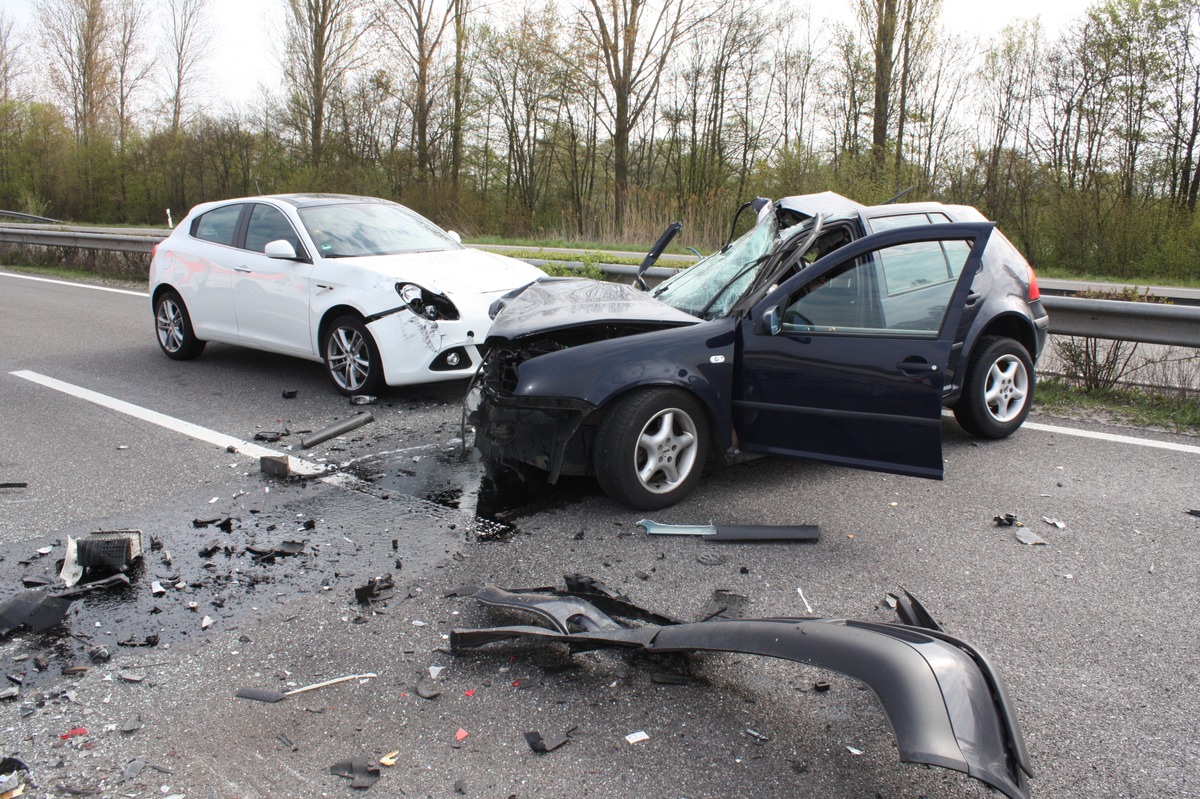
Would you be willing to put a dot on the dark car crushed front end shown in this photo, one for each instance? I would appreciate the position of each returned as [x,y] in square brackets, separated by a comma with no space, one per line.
[525,407]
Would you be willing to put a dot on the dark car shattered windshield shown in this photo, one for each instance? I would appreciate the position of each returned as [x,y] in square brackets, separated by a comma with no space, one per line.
[711,288]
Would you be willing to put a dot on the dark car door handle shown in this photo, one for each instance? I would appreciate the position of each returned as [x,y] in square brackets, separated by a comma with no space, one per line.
[973,298]
[915,366]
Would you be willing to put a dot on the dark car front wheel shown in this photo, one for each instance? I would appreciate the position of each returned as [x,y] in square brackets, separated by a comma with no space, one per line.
[173,327]
[351,357]
[998,391]
[651,447]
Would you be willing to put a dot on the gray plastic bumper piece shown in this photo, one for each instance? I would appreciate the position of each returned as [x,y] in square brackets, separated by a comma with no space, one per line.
[945,703]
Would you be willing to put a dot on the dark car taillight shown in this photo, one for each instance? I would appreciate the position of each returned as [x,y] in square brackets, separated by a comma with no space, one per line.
[1034,291]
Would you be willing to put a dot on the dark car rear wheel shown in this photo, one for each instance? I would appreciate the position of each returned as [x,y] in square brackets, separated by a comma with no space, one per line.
[998,390]
[173,328]
[351,357]
[651,447]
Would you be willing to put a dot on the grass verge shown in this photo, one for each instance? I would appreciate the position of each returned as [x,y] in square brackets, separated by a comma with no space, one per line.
[80,275]
[1127,405]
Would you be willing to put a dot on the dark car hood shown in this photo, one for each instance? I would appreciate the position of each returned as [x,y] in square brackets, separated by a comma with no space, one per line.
[560,303]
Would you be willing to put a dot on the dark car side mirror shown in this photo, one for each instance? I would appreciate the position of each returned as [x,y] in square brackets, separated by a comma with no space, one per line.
[770,324]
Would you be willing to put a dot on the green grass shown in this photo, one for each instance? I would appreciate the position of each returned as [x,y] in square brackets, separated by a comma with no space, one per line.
[81,275]
[1128,405]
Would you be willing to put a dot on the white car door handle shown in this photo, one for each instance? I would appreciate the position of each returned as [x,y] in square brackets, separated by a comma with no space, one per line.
[242,269]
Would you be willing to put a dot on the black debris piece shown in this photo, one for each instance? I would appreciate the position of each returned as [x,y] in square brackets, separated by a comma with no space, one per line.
[1194,512]
[460,787]
[376,588]
[287,548]
[35,609]
[912,612]
[149,641]
[724,604]
[226,524]
[14,485]
[736,532]
[115,581]
[268,435]
[1007,520]
[336,429]
[286,742]
[290,393]
[210,549]
[77,790]
[310,524]
[462,590]
[197,523]
[357,769]
[543,745]
[37,580]
[821,686]
[111,550]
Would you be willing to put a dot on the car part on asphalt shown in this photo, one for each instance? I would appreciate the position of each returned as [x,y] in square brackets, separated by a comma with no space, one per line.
[358,769]
[261,695]
[540,744]
[736,532]
[36,609]
[946,704]
[336,429]
[14,485]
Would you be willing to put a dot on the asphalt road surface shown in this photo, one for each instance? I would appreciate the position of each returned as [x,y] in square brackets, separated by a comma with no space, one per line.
[1095,631]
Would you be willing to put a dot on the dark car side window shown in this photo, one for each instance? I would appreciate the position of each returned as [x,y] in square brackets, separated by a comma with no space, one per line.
[218,225]
[268,224]
[855,297]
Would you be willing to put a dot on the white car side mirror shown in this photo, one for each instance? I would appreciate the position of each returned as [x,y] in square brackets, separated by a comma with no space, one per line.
[280,249]
[454,235]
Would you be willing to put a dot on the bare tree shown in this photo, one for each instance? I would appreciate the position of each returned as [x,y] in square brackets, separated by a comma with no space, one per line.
[131,64]
[636,40]
[75,37]
[188,37]
[416,28]
[10,57]
[322,36]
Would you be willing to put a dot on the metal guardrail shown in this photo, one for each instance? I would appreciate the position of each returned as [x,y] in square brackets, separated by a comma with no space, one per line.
[1152,323]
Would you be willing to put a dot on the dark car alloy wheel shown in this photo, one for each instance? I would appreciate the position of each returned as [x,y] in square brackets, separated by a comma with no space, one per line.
[351,357]
[651,448]
[174,328]
[998,391]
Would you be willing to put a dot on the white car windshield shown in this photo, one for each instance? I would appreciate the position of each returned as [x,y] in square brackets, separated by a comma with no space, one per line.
[346,230]
[711,287]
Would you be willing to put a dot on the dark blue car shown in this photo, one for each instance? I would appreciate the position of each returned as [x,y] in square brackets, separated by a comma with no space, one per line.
[834,337]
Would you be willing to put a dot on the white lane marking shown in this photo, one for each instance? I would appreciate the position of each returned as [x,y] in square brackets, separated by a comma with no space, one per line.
[1113,438]
[77,285]
[248,448]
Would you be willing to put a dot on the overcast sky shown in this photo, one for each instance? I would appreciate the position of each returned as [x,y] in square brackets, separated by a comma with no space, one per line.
[242,56]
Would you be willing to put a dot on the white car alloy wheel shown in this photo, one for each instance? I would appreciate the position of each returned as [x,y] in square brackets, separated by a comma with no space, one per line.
[173,327]
[351,357]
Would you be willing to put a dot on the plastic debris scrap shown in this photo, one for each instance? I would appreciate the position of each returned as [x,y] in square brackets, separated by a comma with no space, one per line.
[74,732]
[390,758]
[36,609]
[637,737]
[460,735]
[1007,520]
[274,696]
[132,724]
[543,745]
[854,751]
[358,770]
[1029,538]
[376,588]
[334,430]
[1054,522]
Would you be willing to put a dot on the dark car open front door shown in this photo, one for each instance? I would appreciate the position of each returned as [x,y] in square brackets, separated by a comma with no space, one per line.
[844,362]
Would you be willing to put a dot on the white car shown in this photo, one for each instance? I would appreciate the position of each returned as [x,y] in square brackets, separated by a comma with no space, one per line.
[377,292]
